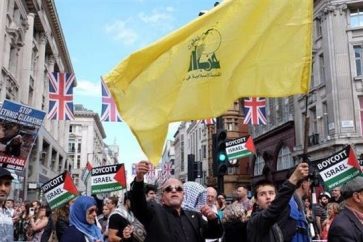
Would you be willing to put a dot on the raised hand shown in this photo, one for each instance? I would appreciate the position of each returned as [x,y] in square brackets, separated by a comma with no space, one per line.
[301,171]
[141,169]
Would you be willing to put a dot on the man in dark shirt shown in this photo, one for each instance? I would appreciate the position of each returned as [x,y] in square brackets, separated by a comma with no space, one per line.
[168,222]
[262,225]
[120,223]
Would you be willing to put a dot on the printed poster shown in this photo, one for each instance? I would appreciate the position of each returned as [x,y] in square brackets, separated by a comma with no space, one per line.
[239,148]
[59,190]
[338,168]
[108,178]
[19,126]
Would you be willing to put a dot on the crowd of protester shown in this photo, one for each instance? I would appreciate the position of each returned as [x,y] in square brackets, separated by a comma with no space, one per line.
[177,211]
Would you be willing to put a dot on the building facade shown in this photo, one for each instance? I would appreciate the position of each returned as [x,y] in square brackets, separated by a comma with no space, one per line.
[32,45]
[181,155]
[86,136]
[335,102]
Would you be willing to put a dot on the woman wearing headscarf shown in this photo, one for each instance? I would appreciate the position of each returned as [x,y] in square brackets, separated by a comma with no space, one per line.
[82,220]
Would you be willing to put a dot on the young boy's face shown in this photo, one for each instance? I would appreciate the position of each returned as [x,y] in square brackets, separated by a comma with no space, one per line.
[265,195]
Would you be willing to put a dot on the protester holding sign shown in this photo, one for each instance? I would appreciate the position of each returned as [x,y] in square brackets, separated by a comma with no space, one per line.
[82,221]
[263,224]
[168,221]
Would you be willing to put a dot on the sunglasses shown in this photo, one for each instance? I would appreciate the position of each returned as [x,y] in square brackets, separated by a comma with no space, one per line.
[92,210]
[171,188]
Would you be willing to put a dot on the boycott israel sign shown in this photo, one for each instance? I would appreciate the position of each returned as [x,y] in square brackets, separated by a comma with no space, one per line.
[108,178]
[19,125]
[239,148]
[338,168]
[59,190]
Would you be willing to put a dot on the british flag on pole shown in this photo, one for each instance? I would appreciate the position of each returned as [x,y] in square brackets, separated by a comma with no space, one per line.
[61,96]
[209,121]
[109,110]
[255,111]
[168,168]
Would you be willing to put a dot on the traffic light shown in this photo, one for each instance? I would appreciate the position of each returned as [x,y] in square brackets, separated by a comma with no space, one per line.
[220,149]
[191,161]
[197,169]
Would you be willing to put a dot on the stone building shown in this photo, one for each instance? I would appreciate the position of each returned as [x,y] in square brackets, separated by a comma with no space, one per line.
[334,104]
[32,45]
[86,136]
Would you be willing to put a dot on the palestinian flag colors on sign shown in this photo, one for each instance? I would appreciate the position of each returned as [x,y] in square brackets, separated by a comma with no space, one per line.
[239,148]
[86,172]
[59,190]
[108,178]
[338,168]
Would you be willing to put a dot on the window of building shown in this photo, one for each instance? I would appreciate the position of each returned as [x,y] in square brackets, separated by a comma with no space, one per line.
[230,126]
[71,147]
[318,27]
[358,59]
[325,119]
[361,113]
[284,159]
[356,17]
[204,147]
[313,121]
[322,68]
[79,145]
[31,90]
[78,162]
[259,164]
[71,128]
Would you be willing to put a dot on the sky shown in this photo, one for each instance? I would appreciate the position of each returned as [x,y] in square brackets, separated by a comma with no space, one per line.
[101,33]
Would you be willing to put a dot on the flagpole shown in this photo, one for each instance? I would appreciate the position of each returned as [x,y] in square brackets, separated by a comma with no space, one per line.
[313,174]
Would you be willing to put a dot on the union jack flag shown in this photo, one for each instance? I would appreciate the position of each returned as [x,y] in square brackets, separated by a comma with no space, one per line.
[209,121]
[168,169]
[255,111]
[61,96]
[109,110]
[151,175]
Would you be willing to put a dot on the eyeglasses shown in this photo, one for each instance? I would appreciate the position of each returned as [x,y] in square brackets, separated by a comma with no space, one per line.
[171,188]
[92,210]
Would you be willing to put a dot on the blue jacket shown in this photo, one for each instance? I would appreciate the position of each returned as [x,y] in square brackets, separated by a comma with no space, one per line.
[72,234]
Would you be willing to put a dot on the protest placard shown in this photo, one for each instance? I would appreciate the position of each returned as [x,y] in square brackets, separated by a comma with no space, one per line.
[108,178]
[59,190]
[19,126]
[338,168]
[239,148]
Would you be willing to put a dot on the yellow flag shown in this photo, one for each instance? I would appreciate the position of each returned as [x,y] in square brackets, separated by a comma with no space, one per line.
[241,48]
